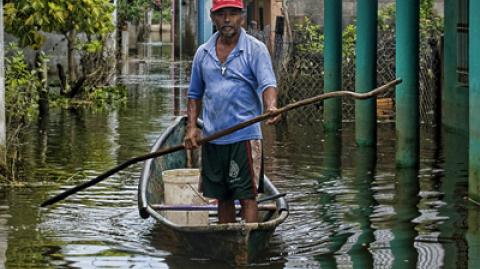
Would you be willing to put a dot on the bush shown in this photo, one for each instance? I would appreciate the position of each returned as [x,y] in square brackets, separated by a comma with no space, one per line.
[98,98]
[21,103]
[21,87]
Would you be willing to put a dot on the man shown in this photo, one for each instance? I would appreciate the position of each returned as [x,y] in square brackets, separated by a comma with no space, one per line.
[233,78]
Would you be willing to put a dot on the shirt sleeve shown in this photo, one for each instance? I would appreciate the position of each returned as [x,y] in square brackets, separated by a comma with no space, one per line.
[262,67]
[197,85]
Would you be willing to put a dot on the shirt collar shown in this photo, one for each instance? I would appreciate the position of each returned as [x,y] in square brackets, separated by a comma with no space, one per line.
[241,45]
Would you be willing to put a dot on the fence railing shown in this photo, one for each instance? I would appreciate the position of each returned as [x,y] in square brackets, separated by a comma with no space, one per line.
[300,75]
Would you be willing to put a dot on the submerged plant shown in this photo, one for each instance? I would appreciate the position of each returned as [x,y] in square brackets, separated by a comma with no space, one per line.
[22,86]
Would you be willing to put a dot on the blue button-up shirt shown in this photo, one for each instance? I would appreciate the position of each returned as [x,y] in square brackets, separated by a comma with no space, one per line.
[231,92]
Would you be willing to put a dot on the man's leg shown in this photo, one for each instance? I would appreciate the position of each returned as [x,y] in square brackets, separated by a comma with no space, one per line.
[249,210]
[226,211]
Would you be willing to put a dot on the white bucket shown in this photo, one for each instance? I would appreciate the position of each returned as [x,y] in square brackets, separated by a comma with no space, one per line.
[181,188]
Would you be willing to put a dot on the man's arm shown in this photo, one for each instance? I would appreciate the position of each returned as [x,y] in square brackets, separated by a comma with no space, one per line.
[193,132]
[270,103]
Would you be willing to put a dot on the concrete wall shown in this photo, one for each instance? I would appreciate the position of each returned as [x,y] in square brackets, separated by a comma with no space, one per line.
[54,46]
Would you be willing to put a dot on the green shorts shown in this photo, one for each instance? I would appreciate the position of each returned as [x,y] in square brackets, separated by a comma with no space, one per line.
[233,171]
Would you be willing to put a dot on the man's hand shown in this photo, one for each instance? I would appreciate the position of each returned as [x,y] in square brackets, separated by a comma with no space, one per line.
[275,119]
[193,132]
[192,137]
[270,102]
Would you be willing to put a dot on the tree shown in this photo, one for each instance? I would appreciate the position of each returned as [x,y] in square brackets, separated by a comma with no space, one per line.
[3,142]
[27,19]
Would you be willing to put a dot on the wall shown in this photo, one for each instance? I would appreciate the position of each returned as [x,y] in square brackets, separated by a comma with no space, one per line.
[276,11]
[191,27]
[54,46]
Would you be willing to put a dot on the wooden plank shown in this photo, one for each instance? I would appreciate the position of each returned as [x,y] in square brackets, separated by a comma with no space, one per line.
[385,108]
[161,207]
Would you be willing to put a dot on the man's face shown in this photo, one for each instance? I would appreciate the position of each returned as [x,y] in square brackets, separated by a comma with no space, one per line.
[228,21]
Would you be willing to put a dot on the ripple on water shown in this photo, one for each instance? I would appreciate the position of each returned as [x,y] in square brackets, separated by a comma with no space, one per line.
[341,215]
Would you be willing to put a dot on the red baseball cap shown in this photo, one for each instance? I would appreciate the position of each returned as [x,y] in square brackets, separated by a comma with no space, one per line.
[218,4]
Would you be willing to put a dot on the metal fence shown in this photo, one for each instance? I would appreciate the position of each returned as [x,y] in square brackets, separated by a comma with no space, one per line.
[300,75]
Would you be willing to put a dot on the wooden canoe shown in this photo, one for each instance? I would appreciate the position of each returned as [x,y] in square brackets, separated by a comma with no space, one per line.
[236,243]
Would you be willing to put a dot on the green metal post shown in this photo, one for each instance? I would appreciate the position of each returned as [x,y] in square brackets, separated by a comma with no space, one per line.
[454,96]
[474,80]
[449,57]
[333,63]
[407,93]
[366,72]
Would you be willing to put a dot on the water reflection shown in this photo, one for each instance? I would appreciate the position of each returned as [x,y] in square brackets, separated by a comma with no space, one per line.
[24,241]
[179,91]
[4,216]
[365,164]
[181,258]
[332,160]
[350,207]
[332,209]
[402,227]
[473,237]
[453,182]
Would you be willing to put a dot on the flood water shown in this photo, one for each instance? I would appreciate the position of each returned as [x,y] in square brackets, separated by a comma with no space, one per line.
[350,207]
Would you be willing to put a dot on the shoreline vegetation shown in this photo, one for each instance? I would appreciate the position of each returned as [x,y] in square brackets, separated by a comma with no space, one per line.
[86,80]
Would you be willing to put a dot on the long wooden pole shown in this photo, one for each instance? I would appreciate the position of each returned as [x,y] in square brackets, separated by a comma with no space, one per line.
[214,136]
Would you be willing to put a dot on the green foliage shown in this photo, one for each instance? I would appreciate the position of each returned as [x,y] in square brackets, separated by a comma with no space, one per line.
[107,96]
[430,21]
[386,18]
[21,87]
[133,11]
[310,37]
[21,102]
[22,90]
[349,36]
[26,19]
[99,98]
[92,46]
[165,14]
